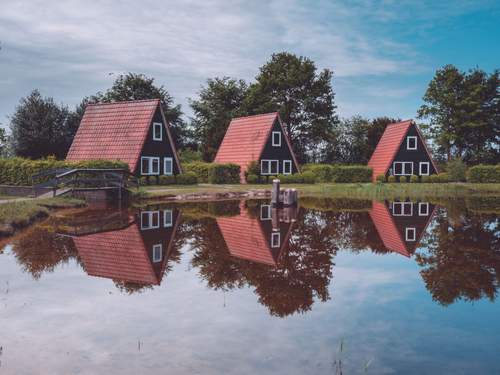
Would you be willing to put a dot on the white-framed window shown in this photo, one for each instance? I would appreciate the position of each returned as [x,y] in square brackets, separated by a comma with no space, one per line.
[269,167]
[157,253]
[423,168]
[167,218]
[157,131]
[402,168]
[150,165]
[265,212]
[275,239]
[402,209]
[150,220]
[423,209]
[168,166]
[287,167]
[411,143]
[276,139]
[411,234]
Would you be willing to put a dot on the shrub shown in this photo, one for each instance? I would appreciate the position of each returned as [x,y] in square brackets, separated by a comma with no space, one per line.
[443,178]
[404,179]
[352,173]
[413,179]
[188,178]
[380,178]
[433,178]
[143,181]
[199,168]
[484,173]
[456,170]
[253,168]
[323,172]
[307,177]
[188,156]
[252,179]
[425,179]
[391,179]
[224,174]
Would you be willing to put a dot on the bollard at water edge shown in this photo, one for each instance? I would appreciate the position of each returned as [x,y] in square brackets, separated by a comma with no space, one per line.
[275,193]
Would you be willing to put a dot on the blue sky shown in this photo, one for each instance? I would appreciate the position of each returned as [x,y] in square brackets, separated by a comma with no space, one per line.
[383,53]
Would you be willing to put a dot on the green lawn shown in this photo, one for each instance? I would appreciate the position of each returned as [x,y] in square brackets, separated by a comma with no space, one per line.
[359,190]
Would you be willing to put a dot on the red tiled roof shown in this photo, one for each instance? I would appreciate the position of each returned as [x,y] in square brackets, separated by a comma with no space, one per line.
[245,140]
[388,146]
[118,255]
[387,230]
[113,131]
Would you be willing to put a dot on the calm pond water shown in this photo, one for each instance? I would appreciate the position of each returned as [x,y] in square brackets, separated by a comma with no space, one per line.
[331,287]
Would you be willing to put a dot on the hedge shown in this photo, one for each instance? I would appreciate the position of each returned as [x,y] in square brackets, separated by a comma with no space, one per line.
[18,171]
[224,174]
[306,177]
[484,174]
[199,168]
[188,178]
[323,172]
[352,173]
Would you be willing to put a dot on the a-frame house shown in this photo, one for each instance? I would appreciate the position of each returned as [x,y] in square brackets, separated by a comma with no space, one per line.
[260,138]
[401,224]
[402,151]
[135,132]
[260,239]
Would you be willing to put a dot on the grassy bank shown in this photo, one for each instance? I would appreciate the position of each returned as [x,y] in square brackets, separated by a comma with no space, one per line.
[331,190]
[17,215]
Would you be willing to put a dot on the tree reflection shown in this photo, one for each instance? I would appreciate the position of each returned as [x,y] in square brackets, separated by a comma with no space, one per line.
[462,259]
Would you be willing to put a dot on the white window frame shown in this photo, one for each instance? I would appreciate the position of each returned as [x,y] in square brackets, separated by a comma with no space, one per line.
[169,214]
[414,237]
[150,160]
[402,206]
[155,126]
[265,208]
[289,163]
[403,168]
[276,144]
[423,204]
[273,236]
[269,161]
[165,160]
[155,258]
[420,168]
[408,142]
[150,219]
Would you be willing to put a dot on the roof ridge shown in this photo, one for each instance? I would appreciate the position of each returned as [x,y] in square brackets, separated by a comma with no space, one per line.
[261,114]
[401,122]
[126,101]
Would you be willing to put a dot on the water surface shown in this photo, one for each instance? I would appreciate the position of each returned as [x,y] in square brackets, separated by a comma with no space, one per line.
[330,287]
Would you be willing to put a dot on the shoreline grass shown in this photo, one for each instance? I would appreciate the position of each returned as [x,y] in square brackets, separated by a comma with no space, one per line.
[337,190]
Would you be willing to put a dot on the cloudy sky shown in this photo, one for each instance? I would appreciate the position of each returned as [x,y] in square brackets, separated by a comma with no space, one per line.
[383,53]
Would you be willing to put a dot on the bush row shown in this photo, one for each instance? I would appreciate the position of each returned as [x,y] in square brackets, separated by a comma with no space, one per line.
[484,174]
[433,178]
[214,173]
[188,178]
[18,171]
[297,178]
[340,173]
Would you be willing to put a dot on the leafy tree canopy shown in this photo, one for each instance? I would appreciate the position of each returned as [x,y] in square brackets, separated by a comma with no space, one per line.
[219,101]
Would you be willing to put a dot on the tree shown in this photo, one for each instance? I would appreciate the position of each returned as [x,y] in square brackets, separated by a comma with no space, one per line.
[303,97]
[464,113]
[3,142]
[39,128]
[219,101]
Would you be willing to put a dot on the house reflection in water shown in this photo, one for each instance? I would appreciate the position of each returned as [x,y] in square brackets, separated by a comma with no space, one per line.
[137,253]
[260,235]
[401,224]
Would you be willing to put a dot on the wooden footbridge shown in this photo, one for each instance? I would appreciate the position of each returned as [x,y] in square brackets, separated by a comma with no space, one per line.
[57,182]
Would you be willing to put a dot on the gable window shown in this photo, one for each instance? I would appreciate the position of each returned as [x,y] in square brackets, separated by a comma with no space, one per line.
[423,169]
[276,139]
[411,234]
[265,212]
[168,166]
[402,208]
[167,218]
[150,220]
[423,209]
[157,131]
[269,167]
[402,168]
[275,239]
[150,165]
[157,253]
[287,167]
[411,143]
